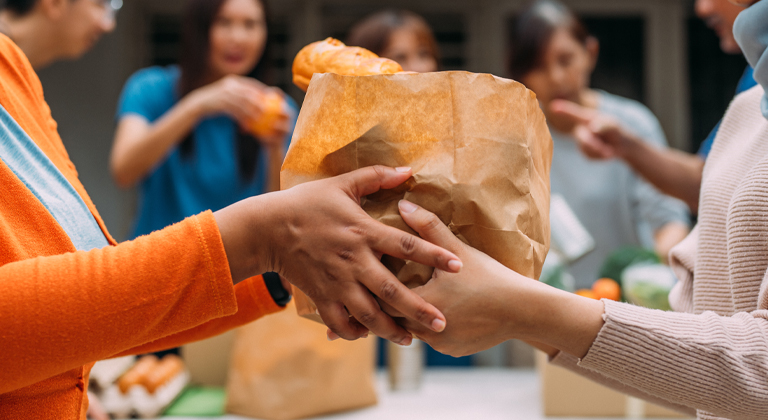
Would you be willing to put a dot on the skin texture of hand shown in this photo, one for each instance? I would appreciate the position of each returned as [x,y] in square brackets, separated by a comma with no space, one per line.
[487,303]
[317,236]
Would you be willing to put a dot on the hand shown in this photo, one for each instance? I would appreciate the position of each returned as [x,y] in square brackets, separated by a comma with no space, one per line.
[598,136]
[487,303]
[317,236]
[237,96]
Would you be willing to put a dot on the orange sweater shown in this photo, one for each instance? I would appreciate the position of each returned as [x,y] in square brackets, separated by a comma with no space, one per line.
[63,309]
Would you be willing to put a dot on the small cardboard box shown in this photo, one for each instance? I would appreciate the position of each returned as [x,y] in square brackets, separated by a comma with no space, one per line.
[566,394]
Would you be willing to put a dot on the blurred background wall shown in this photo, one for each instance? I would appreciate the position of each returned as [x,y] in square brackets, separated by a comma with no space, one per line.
[655,51]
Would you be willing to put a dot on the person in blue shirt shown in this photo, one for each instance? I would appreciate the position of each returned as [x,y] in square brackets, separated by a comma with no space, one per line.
[673,172]
[182,133]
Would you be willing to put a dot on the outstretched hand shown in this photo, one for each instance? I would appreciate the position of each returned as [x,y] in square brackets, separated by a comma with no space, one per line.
[598,136]
[487,303]
[474,301]
[318,237]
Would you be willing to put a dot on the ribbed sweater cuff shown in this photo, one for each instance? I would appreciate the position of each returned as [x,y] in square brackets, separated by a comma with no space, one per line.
[639,347]
[222,289]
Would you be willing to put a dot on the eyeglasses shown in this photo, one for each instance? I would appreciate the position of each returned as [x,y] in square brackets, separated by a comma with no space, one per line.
[111,7]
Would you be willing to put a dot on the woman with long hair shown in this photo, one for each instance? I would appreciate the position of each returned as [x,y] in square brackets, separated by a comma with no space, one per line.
[183,133]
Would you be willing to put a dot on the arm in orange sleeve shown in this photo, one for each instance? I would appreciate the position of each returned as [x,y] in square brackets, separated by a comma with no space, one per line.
[63,311]
[253,302]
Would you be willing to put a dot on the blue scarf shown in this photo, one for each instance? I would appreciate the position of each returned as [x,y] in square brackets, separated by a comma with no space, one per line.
[751,32]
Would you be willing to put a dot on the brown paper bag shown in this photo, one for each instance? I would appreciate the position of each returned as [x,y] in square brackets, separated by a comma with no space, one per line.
[478,144]
[283,367]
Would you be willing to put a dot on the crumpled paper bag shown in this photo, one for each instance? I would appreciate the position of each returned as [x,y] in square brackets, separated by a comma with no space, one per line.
[478,144]
[283,367]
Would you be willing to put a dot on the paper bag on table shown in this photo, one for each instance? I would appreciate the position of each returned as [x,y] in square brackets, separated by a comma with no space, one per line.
[284,368]
[478,144]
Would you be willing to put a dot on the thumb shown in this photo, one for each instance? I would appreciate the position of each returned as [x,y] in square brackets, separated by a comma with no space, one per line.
[429,227]
[573,111]
[368,180]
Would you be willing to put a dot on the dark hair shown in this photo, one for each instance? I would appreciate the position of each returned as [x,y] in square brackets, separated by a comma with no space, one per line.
[18,7]
[373,32]
[199,16]
[532,30]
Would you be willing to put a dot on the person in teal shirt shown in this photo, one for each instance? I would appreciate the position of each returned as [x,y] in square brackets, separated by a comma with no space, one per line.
[183,131]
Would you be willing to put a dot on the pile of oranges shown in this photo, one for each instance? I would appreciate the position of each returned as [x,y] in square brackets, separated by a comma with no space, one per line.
[602,289]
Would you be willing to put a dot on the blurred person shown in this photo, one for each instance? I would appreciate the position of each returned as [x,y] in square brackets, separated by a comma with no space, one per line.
[182,130]
[708,358]
[554,56]
[399,35]
[672,171]
[73,296]
[53,30]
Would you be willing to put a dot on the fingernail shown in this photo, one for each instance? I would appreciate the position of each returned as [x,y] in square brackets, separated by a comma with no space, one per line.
[332,336]
[438,325]
[407,207]
[455,265]
[406,341]
[403,169]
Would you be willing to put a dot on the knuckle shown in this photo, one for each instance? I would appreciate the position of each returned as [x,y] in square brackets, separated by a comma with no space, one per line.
[357,230]
[407,244]
[432,222]
[388,291]
[367,317]
[422,314]
[346,255]
[380,170]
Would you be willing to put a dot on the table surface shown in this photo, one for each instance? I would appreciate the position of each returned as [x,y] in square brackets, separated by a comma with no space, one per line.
[471,393]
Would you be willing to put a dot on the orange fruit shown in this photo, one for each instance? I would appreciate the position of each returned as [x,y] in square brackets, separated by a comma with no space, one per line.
[607,289]
[273,113]
[587,293]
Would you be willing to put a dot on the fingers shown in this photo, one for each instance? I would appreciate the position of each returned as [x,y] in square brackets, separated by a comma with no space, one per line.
[368,180]
[591,145]
[390,310]
[403,245]
[574,111]
[404,301]
[366,311]
[337,319]
[429,226]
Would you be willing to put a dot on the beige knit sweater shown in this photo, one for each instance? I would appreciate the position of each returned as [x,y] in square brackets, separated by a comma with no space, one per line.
[710,358]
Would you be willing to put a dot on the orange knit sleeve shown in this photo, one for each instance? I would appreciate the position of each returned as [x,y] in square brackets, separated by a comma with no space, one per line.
[107,301]
[253,302]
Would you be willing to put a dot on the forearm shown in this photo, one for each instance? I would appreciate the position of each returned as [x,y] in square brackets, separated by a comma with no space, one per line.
[558,320]
[63,311]
[673,172]
[677,357]
[253,302]
[140,146]
[713,363]
[571,363]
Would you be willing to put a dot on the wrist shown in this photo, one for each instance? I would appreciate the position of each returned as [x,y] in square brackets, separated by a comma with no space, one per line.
[194,105]
[563,321]
[627,148]
[246,230]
